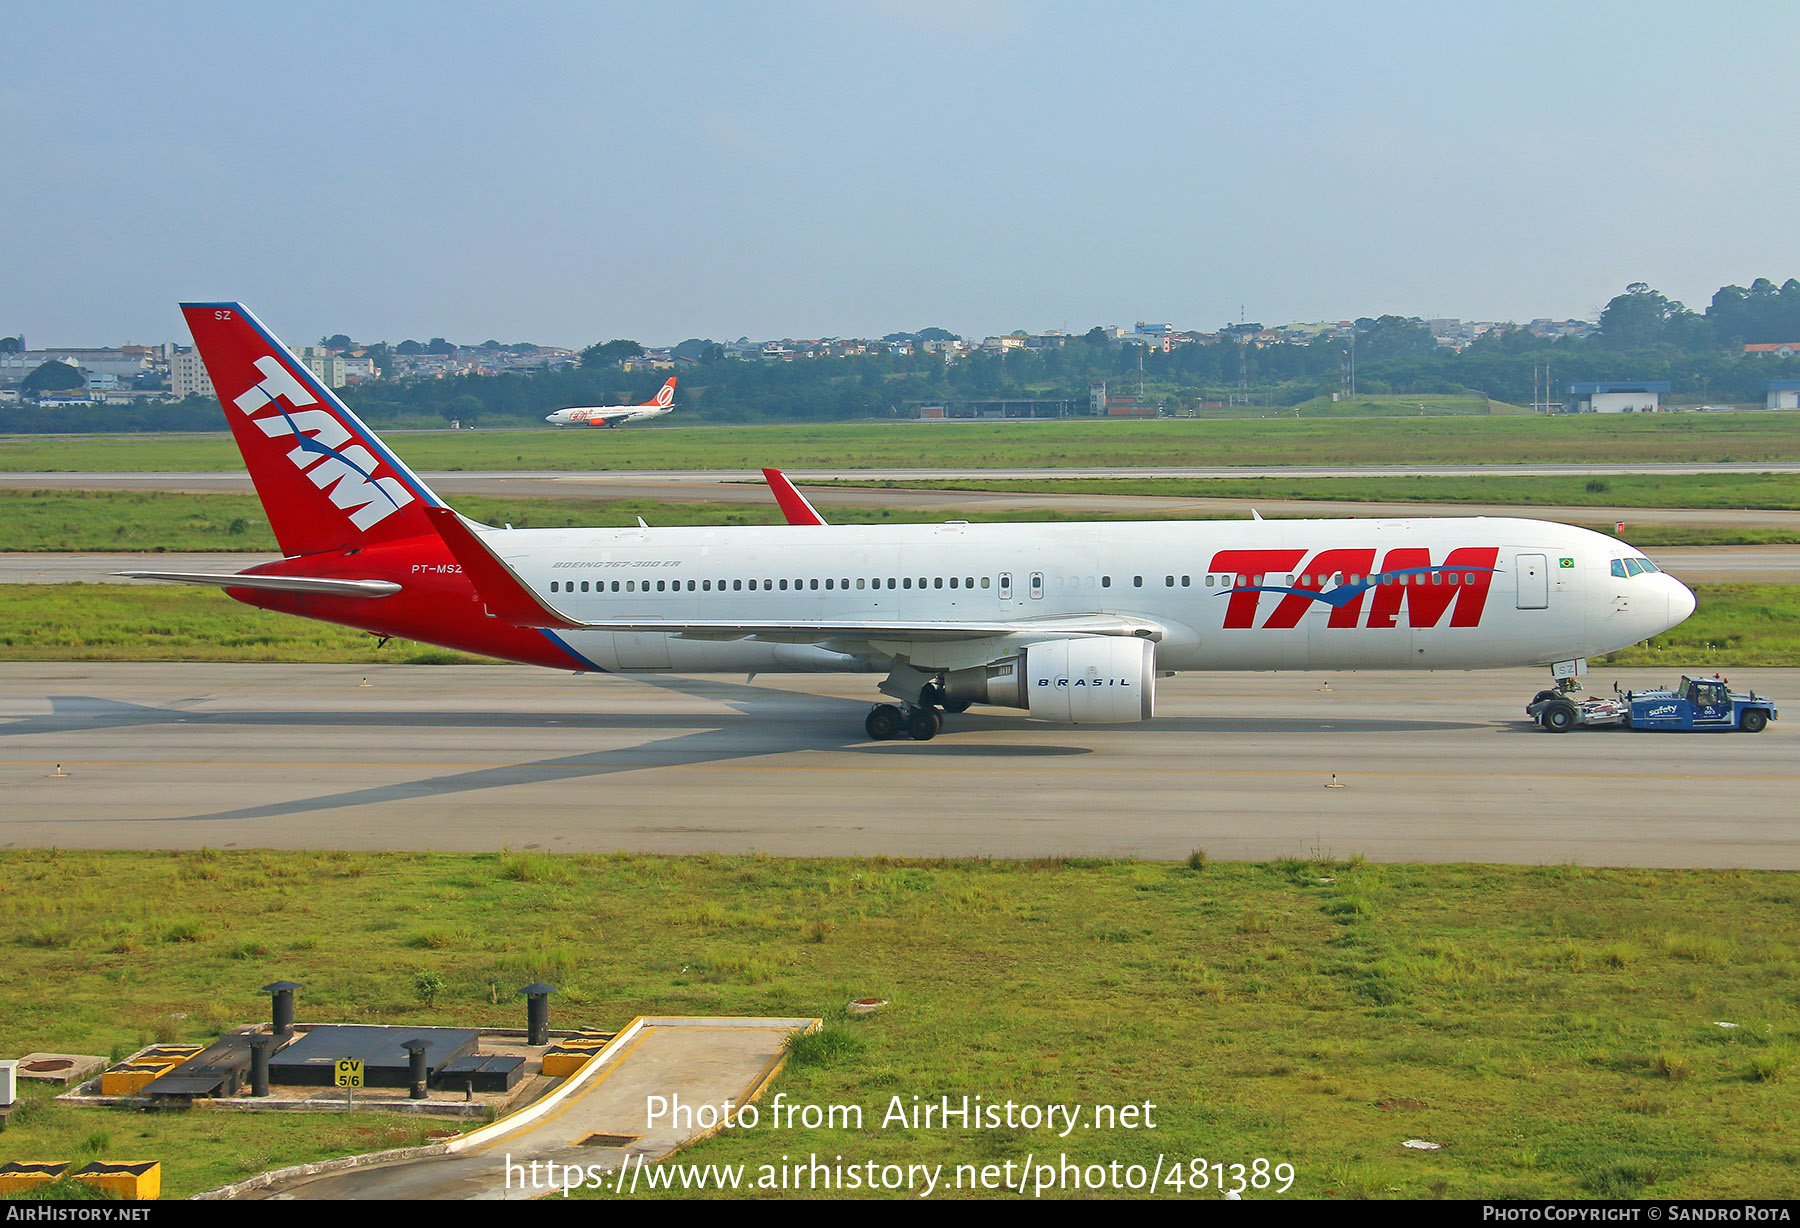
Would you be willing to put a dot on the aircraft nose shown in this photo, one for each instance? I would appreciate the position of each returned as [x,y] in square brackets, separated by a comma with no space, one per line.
[1681,601]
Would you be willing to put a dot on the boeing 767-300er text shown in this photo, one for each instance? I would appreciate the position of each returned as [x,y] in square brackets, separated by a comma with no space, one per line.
[617,415]
[1073,623]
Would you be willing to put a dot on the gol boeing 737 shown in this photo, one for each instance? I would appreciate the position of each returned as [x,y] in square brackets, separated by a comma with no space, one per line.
[1072,623]
[617,415]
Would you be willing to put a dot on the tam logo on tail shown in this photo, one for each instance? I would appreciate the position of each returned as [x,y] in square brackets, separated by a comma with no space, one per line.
[347,476]
[325,479]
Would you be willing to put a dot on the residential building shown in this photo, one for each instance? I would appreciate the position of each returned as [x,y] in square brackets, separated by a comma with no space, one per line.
[187,375]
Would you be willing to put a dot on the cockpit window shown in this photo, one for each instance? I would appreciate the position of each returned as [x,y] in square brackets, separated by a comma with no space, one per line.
[1647,565]
[1618,568]
[1632,567]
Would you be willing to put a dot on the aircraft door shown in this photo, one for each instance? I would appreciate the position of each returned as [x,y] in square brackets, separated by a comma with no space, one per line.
[1037,586]
[1533,574]
[1006,592]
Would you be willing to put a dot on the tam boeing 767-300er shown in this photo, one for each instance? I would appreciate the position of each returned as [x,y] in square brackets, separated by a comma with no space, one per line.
[617,415]
[1071,623]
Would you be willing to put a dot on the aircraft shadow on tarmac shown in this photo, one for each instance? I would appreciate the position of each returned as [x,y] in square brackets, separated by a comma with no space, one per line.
[769,722]
[812,723]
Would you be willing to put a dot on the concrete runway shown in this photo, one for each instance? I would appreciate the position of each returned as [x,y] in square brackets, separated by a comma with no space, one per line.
[1712,565]
[1437,767]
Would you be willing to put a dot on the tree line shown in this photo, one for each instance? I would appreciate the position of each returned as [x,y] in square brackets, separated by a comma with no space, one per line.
[1642,334]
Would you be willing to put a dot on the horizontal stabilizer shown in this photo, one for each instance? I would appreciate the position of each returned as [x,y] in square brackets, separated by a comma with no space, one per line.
[280,584]
[507,597]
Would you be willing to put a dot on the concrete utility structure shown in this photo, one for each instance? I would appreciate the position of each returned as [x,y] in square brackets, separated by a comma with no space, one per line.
[1604,397]
[657,1086]
[991,409]
[1781,393]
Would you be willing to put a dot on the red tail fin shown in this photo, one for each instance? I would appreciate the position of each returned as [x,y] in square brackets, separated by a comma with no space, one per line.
[795,506]
[325,480]
[665,396]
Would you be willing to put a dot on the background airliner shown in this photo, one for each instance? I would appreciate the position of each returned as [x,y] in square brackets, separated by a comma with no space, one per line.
[1073,623]
[617,415]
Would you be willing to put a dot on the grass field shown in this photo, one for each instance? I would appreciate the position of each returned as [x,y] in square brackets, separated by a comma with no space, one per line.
[113,622]
[72,520]
[1735,625]
[1556,1029]
[1273,441]
[1705,490]
[1407,405]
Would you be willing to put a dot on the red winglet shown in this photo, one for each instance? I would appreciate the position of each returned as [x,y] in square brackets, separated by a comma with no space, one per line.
[507,597]
[793,504]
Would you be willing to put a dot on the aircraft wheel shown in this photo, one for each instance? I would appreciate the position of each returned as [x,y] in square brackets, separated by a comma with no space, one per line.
[883,722]
[1559,717]
[961,705]
[1755,721]
[924,724]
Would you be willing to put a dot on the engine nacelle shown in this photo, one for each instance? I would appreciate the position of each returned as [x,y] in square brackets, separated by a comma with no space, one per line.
[1094,680]
[1097,681]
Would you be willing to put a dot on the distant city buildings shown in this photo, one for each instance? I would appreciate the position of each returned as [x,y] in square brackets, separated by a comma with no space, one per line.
[130,373]
[122,364]
[187,375]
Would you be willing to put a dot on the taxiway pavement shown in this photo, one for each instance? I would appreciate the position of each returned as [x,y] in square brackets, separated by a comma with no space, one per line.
[1435,767]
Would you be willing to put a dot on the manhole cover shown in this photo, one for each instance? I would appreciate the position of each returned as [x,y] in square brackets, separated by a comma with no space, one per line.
[60,1063]
[608,1140]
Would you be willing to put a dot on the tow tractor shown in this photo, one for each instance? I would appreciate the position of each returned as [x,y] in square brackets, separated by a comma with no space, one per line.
[1697,704]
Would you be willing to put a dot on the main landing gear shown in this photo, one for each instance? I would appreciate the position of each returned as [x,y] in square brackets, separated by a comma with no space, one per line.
[886,722]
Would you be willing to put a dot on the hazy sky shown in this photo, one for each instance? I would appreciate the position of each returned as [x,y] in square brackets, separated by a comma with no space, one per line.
[567,173]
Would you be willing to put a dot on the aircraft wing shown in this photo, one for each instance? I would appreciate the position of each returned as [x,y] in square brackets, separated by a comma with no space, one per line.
[510,599]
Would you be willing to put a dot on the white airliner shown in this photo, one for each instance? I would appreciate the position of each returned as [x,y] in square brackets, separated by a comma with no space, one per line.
[1072,623]
[617,415]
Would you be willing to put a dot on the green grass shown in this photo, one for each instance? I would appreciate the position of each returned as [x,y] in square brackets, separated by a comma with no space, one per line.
[143,521]
[1477,1006]
[1272,441]
[1402,405]
[1736,625]
[1733,624]
[112,622]
[1706,490]
[67,520]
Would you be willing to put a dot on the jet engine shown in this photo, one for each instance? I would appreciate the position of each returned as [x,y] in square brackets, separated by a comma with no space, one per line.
[1093,680]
